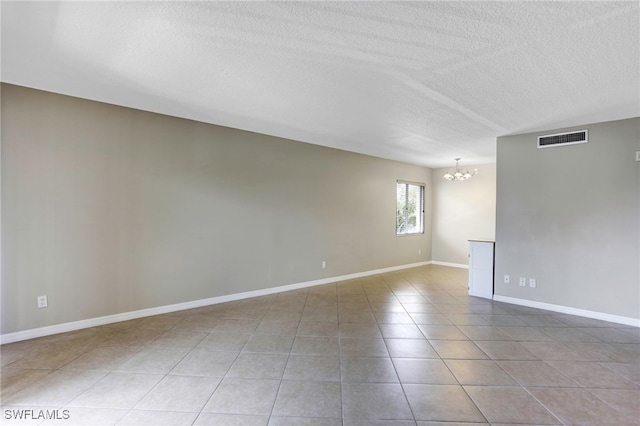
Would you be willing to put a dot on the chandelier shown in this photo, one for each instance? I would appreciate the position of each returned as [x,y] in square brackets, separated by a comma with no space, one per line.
[458,173]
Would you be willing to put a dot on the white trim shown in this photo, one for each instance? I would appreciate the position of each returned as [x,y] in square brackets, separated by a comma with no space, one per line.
[568,310]
[452,265]
[125,316]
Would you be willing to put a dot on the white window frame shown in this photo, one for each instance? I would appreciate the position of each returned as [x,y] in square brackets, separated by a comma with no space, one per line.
[420,216]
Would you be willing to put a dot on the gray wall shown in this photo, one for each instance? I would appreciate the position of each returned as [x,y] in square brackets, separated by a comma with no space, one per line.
[569,216]
[462,211]
[108,210]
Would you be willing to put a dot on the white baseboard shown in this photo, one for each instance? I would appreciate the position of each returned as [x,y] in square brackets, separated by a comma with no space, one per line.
[125,316]
[452,265]
[568,310]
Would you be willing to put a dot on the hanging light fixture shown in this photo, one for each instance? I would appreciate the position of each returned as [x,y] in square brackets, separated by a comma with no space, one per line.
[458,173]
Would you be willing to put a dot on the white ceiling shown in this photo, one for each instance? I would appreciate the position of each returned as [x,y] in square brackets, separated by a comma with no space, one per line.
[420,82]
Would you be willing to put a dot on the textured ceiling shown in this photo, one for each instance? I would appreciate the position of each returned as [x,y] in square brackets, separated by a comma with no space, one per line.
[420,82]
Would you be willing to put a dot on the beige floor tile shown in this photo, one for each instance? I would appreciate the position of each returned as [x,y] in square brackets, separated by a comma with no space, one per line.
[186,339]
[374,401]
[393,318]
[55,389]
[506,350]
[400,331]
[313,368]
[410,348]
[612,335]
[304,421]
[224,341]
[479,372]
[134,336]
[455,424]
[277,327]
[87,416]
[363,347]
[504,320]
[626,402]
[442,332]
[117,390]
[597,351]
[208,419]
[361,369]
[318,329]
[258,366]
[540,320]
[159,418]
[568,334]
[367,370]
[370,422]
[243,396]
[198,322]
[454,309]
[592,374]
[422,308]
[366,317]
[386,307]
[14,380]
[179,393]
[153,361]
[578,406]
[509,404]
[630,370]
[526,334]
[320,314]
[363,331]
[554,351]
[442,300]
[354,303]
[49,357]
[406,299]
[457,349]
[12,352]
[103,358]
[203,362]
[442,403]
[161,322]
[269,343]
[483,332]
[328,346]
[430,319]
[237,325]
[308,399]
[536,373]
[467,319]
[425,371]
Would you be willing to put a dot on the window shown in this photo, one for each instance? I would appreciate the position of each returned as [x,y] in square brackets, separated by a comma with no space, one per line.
[409,208]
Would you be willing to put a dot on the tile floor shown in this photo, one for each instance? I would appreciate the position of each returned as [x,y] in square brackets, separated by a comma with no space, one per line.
[403,348]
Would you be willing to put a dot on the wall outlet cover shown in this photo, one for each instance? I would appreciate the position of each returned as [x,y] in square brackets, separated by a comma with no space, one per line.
[42,302]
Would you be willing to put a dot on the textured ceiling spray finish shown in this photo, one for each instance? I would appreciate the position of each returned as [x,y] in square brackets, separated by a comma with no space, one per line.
[420,82]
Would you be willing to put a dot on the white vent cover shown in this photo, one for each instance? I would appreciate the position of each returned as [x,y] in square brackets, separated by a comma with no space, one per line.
[558,139]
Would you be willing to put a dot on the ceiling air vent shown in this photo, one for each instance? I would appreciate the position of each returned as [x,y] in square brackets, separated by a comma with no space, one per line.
[570,138]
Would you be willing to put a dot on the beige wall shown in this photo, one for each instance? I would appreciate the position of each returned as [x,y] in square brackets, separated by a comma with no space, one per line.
[462,211]
[569,216]
[108,210]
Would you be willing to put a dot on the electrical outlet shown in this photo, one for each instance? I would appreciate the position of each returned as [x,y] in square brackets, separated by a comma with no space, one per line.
[42,302]
[419,251]
[637,155]
[507,279]
[532,282]
[324,264]
[523,281]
